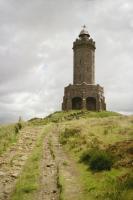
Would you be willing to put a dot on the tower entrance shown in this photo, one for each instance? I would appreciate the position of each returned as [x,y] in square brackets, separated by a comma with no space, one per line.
[91,103]
[77,103]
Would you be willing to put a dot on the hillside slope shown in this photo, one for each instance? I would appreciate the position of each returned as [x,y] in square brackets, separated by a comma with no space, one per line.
[75,155]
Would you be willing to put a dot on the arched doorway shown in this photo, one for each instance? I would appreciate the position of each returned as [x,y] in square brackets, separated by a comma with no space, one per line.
[91,103]
[77,103]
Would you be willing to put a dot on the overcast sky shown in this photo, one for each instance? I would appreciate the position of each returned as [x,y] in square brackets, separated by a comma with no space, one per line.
[36,57]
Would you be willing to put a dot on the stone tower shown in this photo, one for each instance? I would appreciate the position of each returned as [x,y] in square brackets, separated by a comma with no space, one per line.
[84,93]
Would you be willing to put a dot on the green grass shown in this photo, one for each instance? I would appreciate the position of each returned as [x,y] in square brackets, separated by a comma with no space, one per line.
[51,149]
[60,184]
[101,130]
[8,136]
[28,182]
[101,133]
[103,185]
[62,116]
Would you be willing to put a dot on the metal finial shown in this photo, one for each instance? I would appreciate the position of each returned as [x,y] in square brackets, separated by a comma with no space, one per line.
[84,26]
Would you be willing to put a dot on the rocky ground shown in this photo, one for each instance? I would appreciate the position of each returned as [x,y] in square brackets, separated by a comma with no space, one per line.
[12,162]
[57,165]
[54,166]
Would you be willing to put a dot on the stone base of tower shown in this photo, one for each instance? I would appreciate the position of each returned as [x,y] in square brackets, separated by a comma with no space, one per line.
[84,96]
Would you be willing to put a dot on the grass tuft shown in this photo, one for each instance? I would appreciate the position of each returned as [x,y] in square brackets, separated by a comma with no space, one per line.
[9,135]
[97,160]
[100,160]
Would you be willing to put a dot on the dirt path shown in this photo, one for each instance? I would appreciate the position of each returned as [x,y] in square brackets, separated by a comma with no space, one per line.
[12,162]
[49,172]
[57,165]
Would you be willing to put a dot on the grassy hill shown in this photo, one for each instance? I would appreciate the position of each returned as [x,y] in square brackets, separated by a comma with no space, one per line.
[82,132]
[100,144]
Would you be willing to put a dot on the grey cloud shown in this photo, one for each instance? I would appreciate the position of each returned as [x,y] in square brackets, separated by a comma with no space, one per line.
[36,55]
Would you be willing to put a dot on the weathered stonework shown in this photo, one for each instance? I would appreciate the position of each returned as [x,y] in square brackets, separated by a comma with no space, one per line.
[84,94]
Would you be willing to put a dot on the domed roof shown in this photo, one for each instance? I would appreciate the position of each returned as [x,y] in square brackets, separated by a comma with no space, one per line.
[84,32]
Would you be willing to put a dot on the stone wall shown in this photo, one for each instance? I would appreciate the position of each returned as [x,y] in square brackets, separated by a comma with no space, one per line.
[84,61]
[84,91]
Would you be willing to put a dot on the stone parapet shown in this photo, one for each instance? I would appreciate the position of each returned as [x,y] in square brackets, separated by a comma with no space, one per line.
[84,42]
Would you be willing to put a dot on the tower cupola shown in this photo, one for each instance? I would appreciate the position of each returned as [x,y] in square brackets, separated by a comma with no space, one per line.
[84,33]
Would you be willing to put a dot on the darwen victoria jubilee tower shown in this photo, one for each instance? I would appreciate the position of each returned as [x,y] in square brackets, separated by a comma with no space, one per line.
[84,93]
